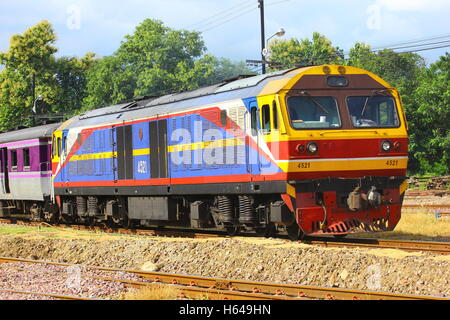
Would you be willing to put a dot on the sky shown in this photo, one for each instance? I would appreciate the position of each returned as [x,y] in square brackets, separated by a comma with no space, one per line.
[230,29]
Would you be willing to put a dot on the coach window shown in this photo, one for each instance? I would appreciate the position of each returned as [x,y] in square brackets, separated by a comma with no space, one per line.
[275,115]
[266,119]
[13,160]
[26,159]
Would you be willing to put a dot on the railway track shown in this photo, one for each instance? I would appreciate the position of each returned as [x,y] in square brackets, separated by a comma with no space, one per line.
[197,287]
[412,246]
[43,294]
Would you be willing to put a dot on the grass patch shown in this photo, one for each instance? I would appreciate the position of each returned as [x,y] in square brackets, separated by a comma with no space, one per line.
[154,292]
[416,226]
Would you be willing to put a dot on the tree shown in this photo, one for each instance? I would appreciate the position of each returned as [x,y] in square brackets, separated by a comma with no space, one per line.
[225,69]
[28,62]
[152,61]
[431,140]
[403,71]
[290,53]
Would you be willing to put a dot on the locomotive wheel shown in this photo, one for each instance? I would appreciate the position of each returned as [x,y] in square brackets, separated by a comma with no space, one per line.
[127,223]
[294,232]
[232,231]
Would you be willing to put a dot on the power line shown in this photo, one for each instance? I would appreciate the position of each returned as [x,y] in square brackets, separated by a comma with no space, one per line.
[225,12]
[413,41]
[229,15]
[413,46]
[310,61]
[232,18]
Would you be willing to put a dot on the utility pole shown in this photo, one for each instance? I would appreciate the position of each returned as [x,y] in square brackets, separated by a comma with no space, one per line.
[33,120]
[263,36]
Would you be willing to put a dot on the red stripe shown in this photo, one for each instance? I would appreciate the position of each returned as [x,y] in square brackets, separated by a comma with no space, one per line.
[174,181]
[348,148]
[345,174]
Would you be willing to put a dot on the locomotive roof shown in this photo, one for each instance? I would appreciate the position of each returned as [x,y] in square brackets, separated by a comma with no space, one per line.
[44,131]
[227,91]
[152,106]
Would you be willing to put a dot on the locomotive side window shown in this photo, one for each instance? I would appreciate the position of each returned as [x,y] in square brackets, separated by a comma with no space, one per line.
[54,146]
[275,115]
[223,118]
[254,120]
[308,112]
[374,111]
[59,147]
[266,119]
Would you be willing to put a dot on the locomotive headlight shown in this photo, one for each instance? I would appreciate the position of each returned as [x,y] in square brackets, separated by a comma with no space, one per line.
[312,147]
[386,146]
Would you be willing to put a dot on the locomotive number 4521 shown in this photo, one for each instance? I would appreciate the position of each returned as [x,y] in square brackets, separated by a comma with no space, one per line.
[392,163]
[304,165]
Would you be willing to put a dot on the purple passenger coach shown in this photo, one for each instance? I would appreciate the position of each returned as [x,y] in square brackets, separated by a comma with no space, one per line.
[25,170]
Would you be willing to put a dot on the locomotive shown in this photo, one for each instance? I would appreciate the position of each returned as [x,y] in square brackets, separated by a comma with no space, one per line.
[319,150]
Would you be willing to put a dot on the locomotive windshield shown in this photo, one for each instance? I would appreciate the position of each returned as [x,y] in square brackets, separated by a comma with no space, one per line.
[373,111]
[313,112]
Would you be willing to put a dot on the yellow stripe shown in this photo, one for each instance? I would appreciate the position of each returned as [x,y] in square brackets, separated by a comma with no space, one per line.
[176,148]
[371,164]
[91,156]
[141,152]
[207,145]
[403,187]
[290,190]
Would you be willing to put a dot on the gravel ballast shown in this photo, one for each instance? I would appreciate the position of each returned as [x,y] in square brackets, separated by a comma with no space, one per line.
[270,260]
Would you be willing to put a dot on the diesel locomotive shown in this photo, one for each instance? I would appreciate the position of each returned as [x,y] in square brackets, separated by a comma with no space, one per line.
[308,151]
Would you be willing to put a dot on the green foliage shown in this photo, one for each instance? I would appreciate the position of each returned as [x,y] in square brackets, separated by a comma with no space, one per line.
[224,69]
[289,53]
[153,60]
[431,136]
[30,58]
[425,96]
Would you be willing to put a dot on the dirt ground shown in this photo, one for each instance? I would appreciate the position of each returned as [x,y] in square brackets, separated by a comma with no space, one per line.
[271,260]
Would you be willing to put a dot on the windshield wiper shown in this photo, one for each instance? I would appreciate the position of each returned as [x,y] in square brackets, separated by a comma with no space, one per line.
[370,98]
[317,103]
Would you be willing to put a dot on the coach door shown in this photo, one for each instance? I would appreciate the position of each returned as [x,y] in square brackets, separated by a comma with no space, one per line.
[124,149]
[4,170]
[158,149]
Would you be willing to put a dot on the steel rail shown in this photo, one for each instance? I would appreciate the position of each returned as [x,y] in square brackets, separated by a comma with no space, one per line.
[414,246]
[51,295]
[218,286]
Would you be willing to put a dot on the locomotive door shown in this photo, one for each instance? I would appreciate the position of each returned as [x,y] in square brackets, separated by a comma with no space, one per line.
[253,142]
[63,152]
[4,170]
[158,149]
[124,149]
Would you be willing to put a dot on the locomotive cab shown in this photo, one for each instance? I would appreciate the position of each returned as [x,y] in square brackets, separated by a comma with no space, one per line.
[345,151]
